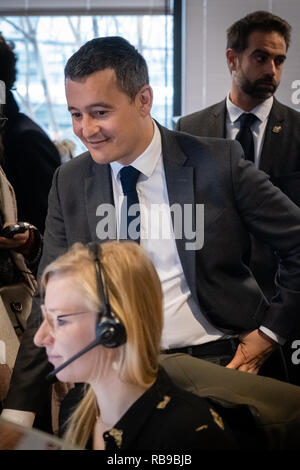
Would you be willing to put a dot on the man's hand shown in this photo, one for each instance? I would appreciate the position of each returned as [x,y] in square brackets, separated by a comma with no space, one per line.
[254,348]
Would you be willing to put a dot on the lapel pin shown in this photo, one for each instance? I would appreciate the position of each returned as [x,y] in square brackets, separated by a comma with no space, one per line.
[276,129]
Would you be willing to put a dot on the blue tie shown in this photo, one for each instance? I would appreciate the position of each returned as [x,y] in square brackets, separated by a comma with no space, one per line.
[245,136]
[130,209]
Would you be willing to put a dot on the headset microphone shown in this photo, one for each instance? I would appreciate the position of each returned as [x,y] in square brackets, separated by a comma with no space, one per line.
[72,358]
[110,332]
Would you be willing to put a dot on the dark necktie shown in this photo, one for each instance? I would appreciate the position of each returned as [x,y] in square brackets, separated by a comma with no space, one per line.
[130,210]
[245,136]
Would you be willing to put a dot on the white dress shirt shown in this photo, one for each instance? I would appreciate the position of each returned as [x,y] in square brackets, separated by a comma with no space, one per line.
[180,326]
[258,128]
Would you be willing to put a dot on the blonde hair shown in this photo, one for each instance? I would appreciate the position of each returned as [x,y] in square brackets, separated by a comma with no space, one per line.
[135,296]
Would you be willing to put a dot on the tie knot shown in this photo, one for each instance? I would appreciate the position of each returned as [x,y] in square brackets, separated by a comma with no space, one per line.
[128,177]
[247,119]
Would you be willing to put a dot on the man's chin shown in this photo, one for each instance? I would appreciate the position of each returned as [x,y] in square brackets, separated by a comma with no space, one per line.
[100,157]
[264,92]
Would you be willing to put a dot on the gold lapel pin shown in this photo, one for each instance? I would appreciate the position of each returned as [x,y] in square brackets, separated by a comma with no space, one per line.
[276,129]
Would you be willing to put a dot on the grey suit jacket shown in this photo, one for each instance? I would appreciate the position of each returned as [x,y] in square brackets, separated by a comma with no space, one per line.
[280,156]
[237,199]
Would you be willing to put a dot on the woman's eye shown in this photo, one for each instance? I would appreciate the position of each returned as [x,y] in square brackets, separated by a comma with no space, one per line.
[61,321]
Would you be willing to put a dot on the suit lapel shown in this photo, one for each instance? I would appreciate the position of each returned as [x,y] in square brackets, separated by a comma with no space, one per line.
[180,185]
[98,199]
[274,137]
[219,114]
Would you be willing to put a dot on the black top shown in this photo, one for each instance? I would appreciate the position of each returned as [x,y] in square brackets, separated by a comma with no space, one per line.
[164,418]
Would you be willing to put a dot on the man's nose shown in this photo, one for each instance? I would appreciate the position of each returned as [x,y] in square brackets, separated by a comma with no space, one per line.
[90,127]
[43,336]
[271,67]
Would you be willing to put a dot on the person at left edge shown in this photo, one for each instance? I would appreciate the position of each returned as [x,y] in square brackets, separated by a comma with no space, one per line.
[210,296]
[30,158]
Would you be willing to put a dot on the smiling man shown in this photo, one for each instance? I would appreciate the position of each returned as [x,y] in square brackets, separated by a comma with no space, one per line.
[112,125]
[212,305]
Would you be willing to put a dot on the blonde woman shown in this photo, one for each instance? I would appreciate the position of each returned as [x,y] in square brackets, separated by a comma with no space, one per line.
[129,401]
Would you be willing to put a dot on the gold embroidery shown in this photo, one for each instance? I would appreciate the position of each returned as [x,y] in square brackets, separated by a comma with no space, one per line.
[204,426]
[117,435]
[161,405]
[217,419]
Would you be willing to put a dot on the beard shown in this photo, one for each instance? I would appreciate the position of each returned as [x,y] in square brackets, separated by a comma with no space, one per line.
[261,88]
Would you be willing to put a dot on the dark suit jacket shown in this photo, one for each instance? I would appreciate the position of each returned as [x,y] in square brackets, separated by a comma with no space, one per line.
[280,159]
[30,160]
[280,156]
[237,199]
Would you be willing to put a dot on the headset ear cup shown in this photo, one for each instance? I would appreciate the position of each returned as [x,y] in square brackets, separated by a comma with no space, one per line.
[110,332]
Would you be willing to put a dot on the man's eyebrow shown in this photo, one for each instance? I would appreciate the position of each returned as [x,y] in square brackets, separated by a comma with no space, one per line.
[100,104]
[262,51]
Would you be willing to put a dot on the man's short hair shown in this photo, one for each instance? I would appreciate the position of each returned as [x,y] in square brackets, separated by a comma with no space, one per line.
[8,61]
[111,52]
[238,33]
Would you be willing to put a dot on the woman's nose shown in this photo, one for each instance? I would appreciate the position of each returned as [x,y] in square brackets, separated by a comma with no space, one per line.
[43,336]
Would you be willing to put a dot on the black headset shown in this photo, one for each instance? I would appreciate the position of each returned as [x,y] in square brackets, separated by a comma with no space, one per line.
[110,331]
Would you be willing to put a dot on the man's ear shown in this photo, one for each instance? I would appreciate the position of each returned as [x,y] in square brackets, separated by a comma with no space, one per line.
[144,100]
[232,59]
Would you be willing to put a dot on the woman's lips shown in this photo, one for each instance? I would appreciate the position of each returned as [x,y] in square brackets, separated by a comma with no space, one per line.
[52,358]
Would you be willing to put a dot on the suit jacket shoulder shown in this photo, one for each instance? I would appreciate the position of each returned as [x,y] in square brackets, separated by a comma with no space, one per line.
[281,110]
[208,122]
[83,162]
[281,148]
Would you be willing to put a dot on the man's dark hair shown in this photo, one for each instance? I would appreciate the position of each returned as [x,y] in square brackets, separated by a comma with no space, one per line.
[8,61]
[114,53]
[238,33]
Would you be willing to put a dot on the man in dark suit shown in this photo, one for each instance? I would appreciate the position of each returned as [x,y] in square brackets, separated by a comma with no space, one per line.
[30,157]
[256,50]
[213,307]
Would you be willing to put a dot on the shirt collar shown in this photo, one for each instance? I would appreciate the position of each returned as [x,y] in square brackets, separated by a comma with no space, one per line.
[261,111]
[147,161]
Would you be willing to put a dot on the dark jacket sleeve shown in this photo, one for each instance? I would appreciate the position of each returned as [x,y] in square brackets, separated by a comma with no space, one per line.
[275,220]
[29,386]
[31,160]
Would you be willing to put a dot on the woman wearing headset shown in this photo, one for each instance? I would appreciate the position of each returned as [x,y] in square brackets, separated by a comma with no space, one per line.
[111,297]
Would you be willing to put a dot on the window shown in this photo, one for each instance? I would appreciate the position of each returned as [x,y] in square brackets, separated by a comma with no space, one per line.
[44,43]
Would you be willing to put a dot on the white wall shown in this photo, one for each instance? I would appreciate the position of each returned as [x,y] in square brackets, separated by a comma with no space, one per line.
[206,78]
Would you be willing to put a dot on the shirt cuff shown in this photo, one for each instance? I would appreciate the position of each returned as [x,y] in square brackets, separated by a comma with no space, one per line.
[23,418]
[273,335]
